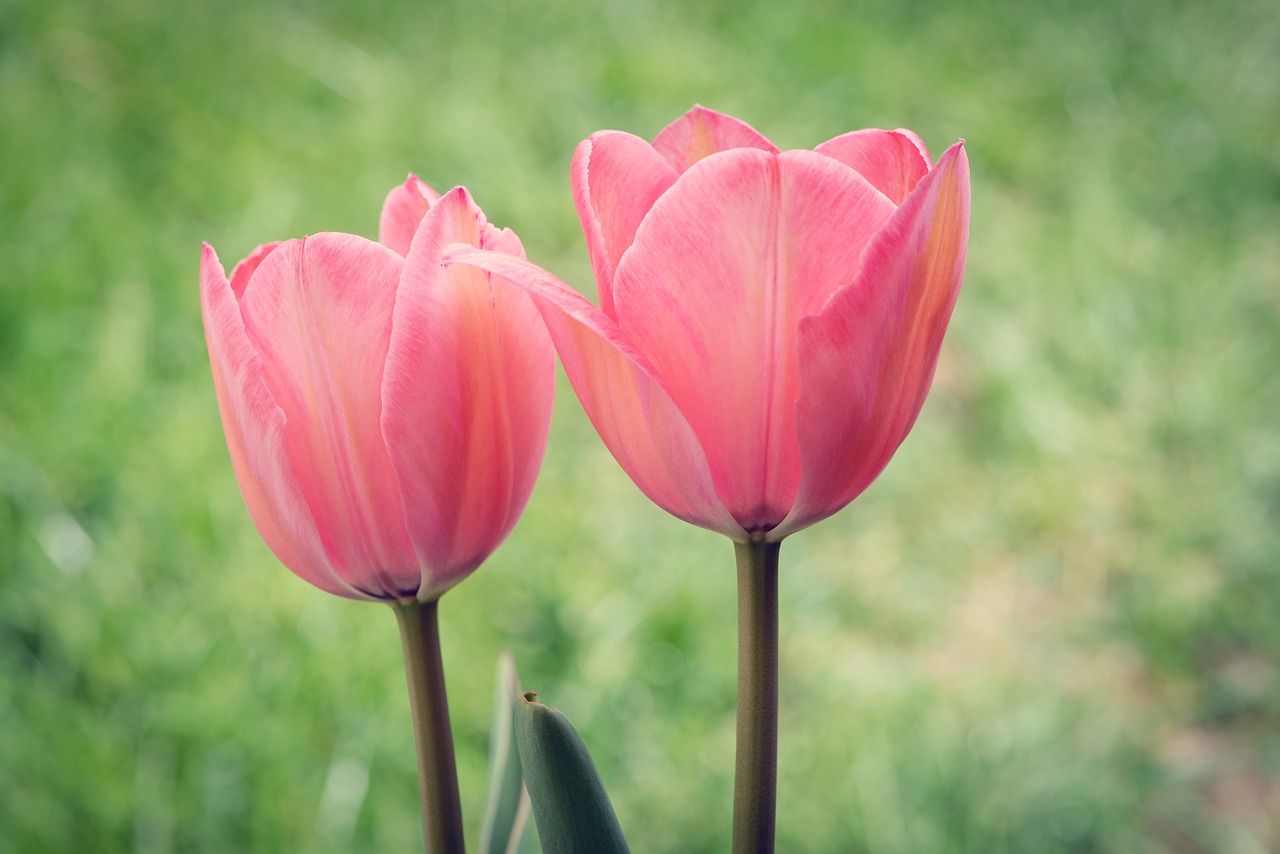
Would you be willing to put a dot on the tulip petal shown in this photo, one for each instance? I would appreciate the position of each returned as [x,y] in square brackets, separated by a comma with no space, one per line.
[701,132]
[318,311]
[712,291]
[892,160]
[616,179]
[242,272]
[634,415]
[466,397]
[866,363]
[256,432]
[402,211]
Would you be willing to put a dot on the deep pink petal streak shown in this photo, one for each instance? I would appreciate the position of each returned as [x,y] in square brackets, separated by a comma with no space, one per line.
[712,292]
[466,397]
[318,312]
[634,416]
[866,363]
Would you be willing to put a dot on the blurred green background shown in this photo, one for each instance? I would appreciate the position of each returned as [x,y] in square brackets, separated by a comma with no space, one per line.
[1053,625]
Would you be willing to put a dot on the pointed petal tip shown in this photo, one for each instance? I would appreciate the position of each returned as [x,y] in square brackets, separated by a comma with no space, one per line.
[210,265]
[699,110]
[402,210]
[957,149]
[209,260]
[414,181]
[956,160]
[456,191]
[700,132]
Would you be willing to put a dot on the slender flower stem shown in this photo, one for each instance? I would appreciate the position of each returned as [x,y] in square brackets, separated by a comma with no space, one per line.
[755,780]
[437,770]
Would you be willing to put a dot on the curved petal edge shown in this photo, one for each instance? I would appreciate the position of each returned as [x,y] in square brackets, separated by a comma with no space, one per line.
[467,396]
[867,361]
[255,427]
[640,425]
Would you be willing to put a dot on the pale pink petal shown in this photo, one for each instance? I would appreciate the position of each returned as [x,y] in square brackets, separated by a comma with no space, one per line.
[616,179]
[466,397]
[729,260]
[867,361]
[503,240]
[242,272]
[635,417]
[402,211]
[892,160]
[255,428]
[701,132]
[318,311]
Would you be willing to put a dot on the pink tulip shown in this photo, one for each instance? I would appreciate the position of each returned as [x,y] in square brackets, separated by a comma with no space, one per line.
[386,417]
[769,321]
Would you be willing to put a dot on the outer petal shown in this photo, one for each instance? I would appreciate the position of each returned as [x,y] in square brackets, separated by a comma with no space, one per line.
[256,434]
[466,398]
[712,292]
[892,160]
[402,211]
[616,179]
[701,132]
[631,411]
[319,312]
[867,361]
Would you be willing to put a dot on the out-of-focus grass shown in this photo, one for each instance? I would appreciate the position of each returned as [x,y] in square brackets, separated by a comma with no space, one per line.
[1050,626]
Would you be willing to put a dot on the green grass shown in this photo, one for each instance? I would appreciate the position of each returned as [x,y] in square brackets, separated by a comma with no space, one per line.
[1053,625]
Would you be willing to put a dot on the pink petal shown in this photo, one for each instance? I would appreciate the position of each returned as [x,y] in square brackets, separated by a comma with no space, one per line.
[701,132]
[502,240]
[892,160]
[318,311]
[634,416]
[402,211]
[466,397]
[712,291]
[616,179]
[256,435]
[867,361]
[242,272]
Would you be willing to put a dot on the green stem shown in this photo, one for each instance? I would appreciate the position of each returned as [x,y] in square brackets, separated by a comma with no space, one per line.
[437,770]
[755,780]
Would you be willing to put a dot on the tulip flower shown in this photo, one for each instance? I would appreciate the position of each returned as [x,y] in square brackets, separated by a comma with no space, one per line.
[768,327]
[386,419]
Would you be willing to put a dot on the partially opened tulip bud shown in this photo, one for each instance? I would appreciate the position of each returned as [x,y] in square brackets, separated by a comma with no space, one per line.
[386,416]
[768,327]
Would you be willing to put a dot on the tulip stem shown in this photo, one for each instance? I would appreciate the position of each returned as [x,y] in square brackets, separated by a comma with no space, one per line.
[756,773]
[437,769]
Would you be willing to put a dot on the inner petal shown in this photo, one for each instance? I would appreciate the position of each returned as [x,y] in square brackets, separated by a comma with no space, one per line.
[702,132]
[893,161]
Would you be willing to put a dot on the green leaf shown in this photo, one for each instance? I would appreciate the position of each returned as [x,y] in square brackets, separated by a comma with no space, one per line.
[506,817]
[572,809]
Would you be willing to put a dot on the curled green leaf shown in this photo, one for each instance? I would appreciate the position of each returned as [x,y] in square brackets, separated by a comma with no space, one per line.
[572,809]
